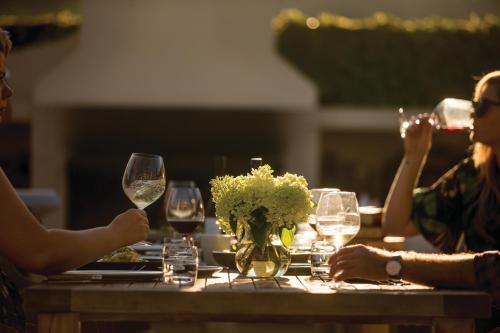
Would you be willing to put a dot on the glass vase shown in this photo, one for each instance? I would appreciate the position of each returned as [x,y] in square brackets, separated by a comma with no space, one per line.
[270,260]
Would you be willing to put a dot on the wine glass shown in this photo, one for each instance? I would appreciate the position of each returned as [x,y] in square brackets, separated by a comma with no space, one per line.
[449,116]
[337,217]
[184,209]
[316,194]
[144,179]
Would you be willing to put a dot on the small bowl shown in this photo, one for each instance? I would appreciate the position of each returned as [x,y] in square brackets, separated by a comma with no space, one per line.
[225,258]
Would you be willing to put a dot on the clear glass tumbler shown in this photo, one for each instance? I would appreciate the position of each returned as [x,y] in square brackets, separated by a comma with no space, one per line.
[180,262]
[321,250]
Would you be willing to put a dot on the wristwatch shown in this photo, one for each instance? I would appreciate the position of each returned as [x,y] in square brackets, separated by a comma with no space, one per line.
[393,267]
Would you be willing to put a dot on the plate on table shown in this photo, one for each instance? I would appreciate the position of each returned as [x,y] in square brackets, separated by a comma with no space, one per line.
[106,275]
[207,271]
[142,247]
[126,266]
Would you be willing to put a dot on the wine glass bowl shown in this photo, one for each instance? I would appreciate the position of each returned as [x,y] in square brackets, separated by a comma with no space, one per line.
[449,116]
[316,194]
[184,209]
[337,217]
[144,179]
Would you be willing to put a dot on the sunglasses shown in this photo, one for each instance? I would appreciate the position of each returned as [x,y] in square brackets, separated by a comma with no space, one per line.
[482,105]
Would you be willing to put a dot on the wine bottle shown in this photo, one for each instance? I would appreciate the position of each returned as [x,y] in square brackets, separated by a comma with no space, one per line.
[255,162]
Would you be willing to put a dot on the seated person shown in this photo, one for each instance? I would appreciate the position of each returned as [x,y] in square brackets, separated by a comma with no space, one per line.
[32,247]
[461,211]
[460,270]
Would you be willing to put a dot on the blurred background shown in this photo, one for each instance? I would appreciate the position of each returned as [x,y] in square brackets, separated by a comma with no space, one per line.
[203,81]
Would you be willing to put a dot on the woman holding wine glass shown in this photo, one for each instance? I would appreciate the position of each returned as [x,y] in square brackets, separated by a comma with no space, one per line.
[30,246]
[461,211]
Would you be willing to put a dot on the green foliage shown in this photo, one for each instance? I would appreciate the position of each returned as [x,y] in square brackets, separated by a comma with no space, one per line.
[383,60]
[259,204]
[27,30]
[287,235]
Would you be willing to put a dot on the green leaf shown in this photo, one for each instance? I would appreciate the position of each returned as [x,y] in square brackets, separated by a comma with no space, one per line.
[259,226]
[287,235]
[233,223]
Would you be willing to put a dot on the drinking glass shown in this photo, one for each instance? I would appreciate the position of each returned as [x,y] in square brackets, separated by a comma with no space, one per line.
[321,250]
[337,217]
[184,209]
[144,179]
[180,262]
[449,116]
[316,194]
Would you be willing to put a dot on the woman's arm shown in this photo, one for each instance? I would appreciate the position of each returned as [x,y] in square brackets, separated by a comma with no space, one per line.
[399,202]
[32,247]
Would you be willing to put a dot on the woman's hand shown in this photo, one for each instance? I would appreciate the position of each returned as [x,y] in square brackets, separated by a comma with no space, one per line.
[130,226]
[418,136]
[359,261]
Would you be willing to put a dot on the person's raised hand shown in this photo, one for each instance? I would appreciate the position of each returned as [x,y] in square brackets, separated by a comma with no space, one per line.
[418,136]
[130,226]
[359,261]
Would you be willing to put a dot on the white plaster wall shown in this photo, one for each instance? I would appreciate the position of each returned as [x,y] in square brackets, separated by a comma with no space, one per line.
[214,53]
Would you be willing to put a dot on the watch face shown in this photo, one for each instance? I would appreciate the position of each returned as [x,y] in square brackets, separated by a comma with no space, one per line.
[393,268]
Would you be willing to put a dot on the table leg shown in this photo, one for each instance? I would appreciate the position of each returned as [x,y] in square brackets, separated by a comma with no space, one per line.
[449,325]
[59,323]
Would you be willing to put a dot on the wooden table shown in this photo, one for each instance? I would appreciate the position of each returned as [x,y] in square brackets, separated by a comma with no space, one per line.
[62,306]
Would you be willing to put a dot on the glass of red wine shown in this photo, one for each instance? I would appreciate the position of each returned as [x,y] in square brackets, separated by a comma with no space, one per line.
[184,209]
[451,115]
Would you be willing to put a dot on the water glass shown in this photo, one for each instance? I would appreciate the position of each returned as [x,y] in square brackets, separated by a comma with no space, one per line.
[321,250]
[180,262]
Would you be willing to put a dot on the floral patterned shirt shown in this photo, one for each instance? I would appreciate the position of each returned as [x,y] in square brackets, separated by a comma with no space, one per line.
[11,308]
[444,212]
[487,270]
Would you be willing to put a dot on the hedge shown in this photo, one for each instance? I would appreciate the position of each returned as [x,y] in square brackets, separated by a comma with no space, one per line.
[384,60]
[27,30]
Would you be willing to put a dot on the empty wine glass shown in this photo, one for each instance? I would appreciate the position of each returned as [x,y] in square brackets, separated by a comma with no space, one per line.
[316,194]
[449,116]
[337,217]
[144,179]
[184,209]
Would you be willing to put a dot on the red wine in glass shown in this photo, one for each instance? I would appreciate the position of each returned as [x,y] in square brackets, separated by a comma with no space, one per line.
[451,130]
[184,226]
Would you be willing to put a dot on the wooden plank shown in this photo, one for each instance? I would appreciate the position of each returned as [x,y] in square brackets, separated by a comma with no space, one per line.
[290,284]
[158,301]
[266,284]
[59,323]
[241,283]
[218,281]
[315,285]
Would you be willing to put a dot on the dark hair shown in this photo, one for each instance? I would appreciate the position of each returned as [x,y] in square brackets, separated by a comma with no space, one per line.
[485,160]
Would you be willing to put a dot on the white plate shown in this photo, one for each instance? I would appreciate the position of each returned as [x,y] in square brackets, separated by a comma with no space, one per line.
[147,247]
[97,275]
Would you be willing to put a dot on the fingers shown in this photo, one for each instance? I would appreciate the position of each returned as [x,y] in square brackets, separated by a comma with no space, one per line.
[140,212]
[343,268]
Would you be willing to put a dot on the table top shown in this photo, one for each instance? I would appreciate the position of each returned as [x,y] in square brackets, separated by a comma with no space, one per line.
[230,296]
